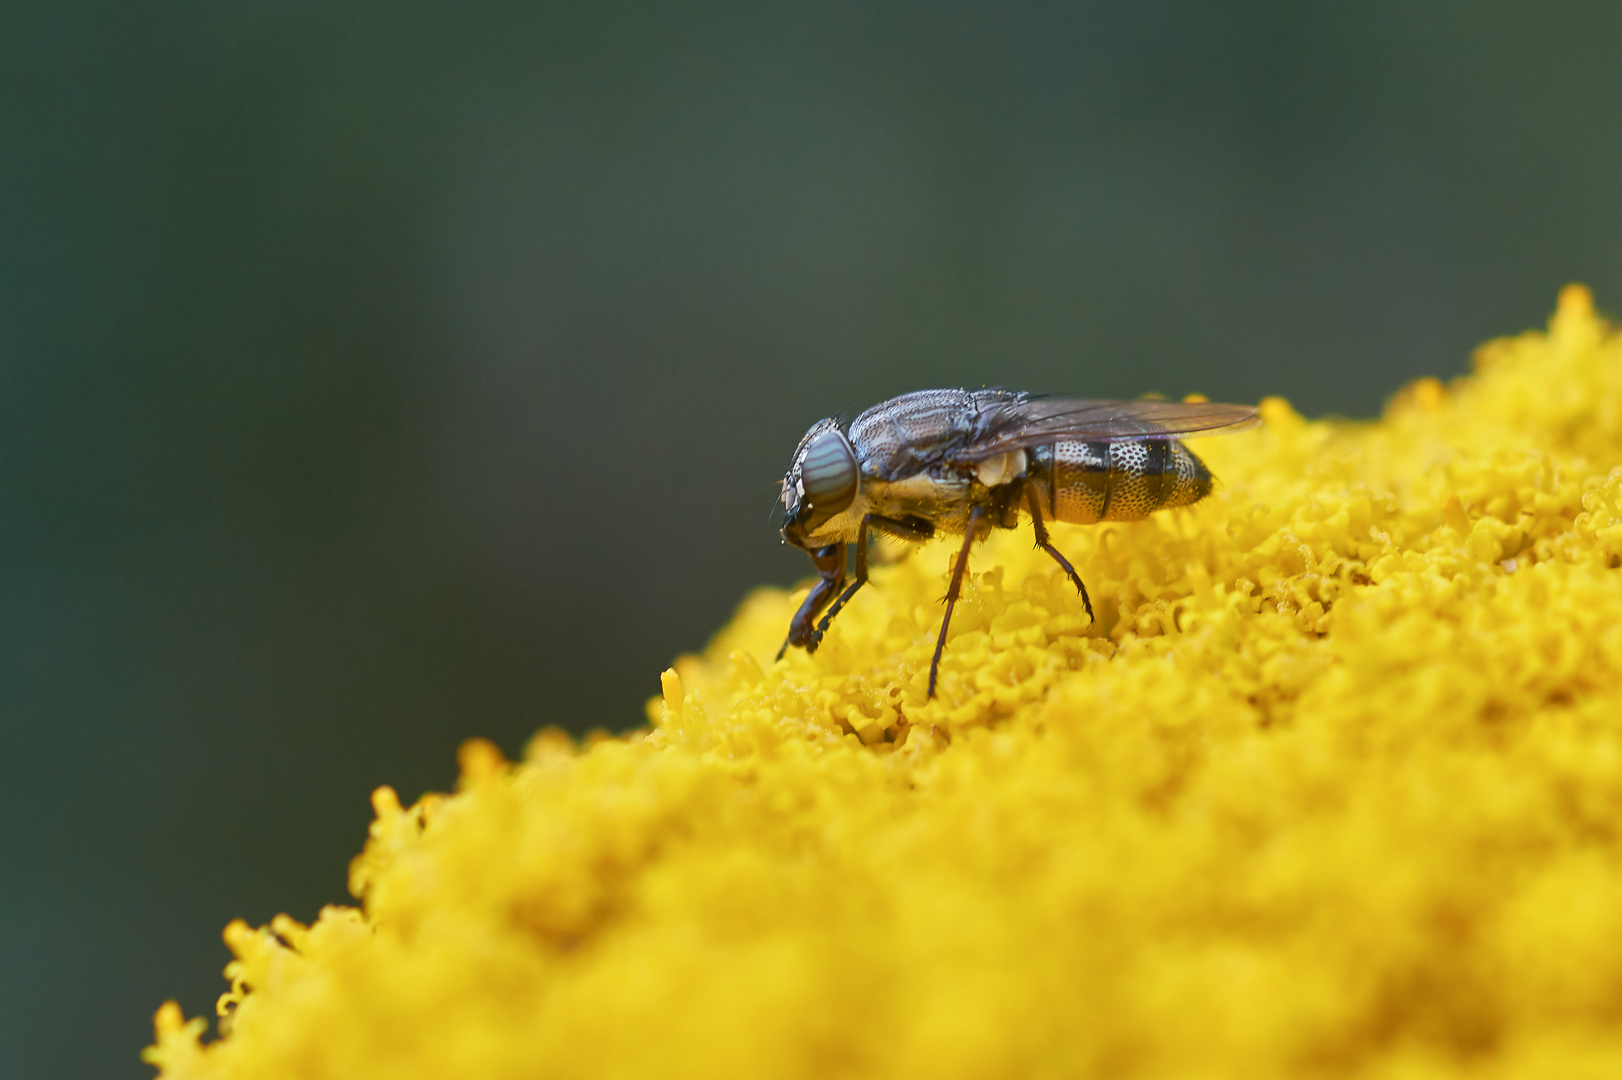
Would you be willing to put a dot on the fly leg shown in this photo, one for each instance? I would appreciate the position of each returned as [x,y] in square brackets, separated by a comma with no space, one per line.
[830,563]
[952,592]
[850,590]
[1043,543]
[906,530]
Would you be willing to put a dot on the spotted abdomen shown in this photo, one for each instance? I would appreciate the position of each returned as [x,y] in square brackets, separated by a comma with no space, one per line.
[1085,482]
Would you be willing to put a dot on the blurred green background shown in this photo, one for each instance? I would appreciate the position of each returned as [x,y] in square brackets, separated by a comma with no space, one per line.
[376,375]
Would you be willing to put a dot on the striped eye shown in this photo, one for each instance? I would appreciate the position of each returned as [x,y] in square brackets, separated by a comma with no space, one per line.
[827,475]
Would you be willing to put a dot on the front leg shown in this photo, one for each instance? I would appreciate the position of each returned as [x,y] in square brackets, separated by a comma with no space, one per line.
[830,563]
[914,530]
[850,591]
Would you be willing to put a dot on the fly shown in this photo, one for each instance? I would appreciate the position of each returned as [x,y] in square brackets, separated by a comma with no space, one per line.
[968,461]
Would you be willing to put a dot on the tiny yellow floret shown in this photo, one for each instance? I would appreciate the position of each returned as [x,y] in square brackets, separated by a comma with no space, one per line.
[1331,788]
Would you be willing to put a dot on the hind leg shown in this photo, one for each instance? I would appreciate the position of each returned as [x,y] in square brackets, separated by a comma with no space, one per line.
[1047,546]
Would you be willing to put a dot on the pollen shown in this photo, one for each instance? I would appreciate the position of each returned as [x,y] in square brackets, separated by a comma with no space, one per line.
[1332,788]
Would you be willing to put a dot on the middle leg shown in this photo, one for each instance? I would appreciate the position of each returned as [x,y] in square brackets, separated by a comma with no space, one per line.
[952,592]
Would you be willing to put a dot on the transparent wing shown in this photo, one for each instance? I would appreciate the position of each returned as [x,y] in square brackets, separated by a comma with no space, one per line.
[1038,421]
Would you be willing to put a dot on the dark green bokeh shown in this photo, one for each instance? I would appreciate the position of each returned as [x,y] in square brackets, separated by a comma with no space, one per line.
[377,375]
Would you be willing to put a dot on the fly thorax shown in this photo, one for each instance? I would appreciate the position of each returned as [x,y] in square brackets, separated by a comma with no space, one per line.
[939,496]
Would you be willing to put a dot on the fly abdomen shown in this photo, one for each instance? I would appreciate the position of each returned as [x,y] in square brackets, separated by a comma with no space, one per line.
[1123,480]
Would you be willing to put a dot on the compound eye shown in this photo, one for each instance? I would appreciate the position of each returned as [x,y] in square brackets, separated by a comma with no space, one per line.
[828,474]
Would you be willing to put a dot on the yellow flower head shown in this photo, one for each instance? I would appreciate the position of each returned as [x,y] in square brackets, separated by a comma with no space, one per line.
[1332,788]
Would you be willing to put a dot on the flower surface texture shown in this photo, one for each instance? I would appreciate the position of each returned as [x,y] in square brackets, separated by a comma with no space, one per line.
[1333,788]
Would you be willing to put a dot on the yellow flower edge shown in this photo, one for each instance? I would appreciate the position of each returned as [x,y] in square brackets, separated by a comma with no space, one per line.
[1334,788]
